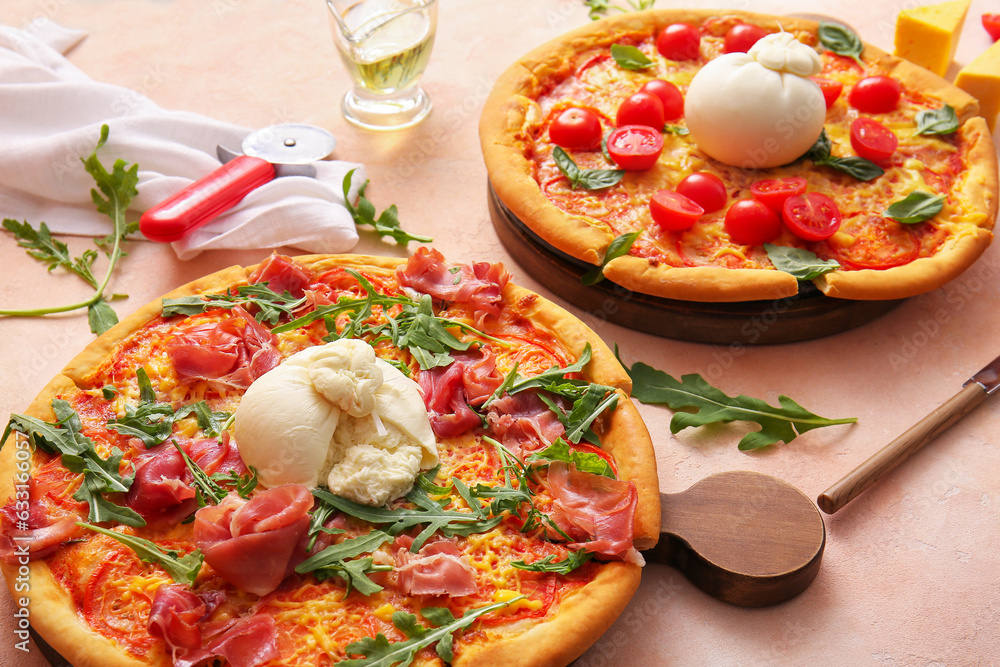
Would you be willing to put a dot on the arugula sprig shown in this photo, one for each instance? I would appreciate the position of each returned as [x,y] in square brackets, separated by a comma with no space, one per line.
[270,305]
[778,424]
[573,560]
[380,652]
[116,190]
[341,560]
[183,569]
[386,224]
[100,476]
[584,461]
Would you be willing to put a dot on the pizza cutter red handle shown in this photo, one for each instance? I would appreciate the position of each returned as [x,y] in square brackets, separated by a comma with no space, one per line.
[204,199]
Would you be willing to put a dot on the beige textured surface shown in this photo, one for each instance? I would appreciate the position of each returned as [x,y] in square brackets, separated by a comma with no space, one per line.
[910,573]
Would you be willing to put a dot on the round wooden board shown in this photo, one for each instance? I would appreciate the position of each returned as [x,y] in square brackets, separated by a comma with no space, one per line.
[810,314]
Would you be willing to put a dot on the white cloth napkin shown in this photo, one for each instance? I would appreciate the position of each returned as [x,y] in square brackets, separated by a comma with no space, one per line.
[51,114]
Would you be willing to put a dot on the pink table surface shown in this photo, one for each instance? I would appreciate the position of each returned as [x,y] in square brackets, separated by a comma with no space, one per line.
[911,568]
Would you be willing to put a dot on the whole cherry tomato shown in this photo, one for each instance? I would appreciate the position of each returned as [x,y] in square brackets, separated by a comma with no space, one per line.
[673,211]
[741,37]
[811,216]
[641,109]
[635,147]
[576,129]
[679,41]
[872,140]
[773,192]
[875,94]
[992,24]
[831,89]
[707,190]
[670,96]
[749,222]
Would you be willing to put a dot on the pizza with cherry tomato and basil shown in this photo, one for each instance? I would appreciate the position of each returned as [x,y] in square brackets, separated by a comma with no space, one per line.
[710,156]
[331,460]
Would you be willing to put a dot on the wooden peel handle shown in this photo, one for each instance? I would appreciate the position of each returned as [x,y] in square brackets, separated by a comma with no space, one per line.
[890,456]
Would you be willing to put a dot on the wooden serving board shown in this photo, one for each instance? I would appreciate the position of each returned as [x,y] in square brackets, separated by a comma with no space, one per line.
[810,314]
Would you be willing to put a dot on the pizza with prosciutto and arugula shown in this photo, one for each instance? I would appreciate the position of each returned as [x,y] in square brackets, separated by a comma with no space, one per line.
[331,460]
[726,156]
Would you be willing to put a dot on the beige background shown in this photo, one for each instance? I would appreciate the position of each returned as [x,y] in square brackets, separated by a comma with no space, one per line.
[911,569]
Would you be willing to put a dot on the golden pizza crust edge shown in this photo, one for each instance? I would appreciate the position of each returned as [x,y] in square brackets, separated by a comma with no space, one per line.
[699,283]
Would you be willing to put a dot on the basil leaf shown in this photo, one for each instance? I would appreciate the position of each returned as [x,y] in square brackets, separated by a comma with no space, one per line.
[589,179]
[858,167]
[630,57]
[618,248]
[916,207]
[841,40]
[679,130]
[799,262]
[820,150]
[937,121]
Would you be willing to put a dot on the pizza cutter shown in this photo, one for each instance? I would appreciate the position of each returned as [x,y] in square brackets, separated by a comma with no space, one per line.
[742,537]
[288,149]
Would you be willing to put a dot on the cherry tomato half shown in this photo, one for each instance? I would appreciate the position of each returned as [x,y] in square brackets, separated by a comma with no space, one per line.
[670,96]
[707,190]
[831,89]
[641,109]
[635,147]
[576,129]
[992,24]
[673,211]
[741,37]
[773,192]
[679,41]
[749,222]
[811,216]
[875,94]
[872,140]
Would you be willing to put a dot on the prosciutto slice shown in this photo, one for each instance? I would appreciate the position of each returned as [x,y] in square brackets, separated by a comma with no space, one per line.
[175,616]
[216,454]
[234,352]
[448,391]
[251,543]
[437,569]
[479,285]
[160,492]
[37,537]
[523,423]
[282,275]
[250,642]
[595,507]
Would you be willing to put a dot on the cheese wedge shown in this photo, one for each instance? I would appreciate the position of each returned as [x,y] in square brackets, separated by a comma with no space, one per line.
[927,35]
[981,79]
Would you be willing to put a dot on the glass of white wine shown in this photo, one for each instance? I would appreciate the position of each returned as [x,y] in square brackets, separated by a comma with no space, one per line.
[385,45]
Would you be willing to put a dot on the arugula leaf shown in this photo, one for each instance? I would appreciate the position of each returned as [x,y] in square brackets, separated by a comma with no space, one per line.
[212,423]
[244,484]
[915,207]
[841,40]
[711,406]
[336,560]
[573,560]
[269,304]
[149,421]
[117,188]
[618,248]
[584,461]
[182,569]
[206,490]
[65,437]
[630,57]
[379,652]
[52,252]
[937,121]
[799,262]
[387,224]
[589,179]
[859,168]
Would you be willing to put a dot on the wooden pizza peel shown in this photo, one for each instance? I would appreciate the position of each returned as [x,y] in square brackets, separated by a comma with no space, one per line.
[809,314]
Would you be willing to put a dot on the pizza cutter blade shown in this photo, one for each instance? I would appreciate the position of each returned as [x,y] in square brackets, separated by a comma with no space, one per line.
[288,149]
[742,537]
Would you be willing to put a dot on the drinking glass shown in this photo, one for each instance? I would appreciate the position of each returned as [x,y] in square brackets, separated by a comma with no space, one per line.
[385,45]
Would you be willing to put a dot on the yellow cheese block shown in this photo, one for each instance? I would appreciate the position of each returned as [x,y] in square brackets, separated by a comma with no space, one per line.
[927,35]
[981,79]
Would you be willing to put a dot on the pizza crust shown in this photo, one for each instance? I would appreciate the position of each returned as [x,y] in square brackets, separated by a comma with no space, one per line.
[583,615]
[510,114]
